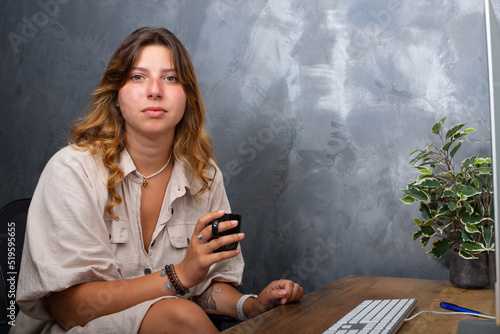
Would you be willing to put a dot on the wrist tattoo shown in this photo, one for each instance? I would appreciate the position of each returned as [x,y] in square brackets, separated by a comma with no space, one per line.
[206,300]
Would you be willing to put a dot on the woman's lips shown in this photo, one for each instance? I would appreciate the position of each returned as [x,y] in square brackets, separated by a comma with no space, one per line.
[154,112]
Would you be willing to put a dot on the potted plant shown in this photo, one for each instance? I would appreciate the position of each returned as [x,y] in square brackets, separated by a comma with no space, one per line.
[456,202]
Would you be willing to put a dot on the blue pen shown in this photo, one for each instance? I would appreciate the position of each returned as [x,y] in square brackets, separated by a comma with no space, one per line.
[453,307]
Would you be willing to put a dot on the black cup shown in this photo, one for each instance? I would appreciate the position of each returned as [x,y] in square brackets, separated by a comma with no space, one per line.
[216,234]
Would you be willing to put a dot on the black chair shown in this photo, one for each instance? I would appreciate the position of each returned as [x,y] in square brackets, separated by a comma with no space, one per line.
[12,227]
[222,322]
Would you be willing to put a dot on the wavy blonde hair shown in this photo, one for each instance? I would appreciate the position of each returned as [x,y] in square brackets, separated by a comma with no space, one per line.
[101,130]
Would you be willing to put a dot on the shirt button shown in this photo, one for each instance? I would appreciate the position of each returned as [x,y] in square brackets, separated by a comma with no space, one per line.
[147,271]
[172,210]
[153,243]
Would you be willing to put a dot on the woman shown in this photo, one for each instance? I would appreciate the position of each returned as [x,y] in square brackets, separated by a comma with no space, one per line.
[117,238]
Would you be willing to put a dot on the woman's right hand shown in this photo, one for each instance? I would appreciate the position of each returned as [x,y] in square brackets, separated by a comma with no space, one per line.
[193,269]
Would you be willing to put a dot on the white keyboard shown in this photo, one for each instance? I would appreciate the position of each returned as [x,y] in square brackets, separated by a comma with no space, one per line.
[374,316]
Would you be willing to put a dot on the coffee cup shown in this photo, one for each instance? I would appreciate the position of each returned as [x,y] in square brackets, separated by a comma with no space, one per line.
[216,234]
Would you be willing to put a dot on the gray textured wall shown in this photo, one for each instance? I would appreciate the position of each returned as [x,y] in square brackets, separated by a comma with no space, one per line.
[313,107]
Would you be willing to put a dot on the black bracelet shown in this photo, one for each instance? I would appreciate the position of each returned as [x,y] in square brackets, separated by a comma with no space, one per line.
[172,276]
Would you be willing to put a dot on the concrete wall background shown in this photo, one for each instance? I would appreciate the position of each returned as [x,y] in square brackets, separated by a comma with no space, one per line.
[313,106]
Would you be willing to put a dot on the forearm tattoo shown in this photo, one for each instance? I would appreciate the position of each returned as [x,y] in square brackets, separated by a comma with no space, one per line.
[206,300]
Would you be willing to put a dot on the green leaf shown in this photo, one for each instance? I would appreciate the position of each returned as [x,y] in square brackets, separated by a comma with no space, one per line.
[429,182]
[468,207]
[428,231]
[486,170]
[416,193]
[457,135]
[442,210]
[415,151]
[468,191]
[473,219]
[444,227]
[425,211]
[408,200]
[424,240]
[473,247]
[416,235]
[487,234]
[470,228]
[474,140]
[414,160]
[452,205]
[455,149]
[453,130]
[469,130]
[424,171]
[436,128]
[468,162]
[449,193]
[439,248]
[475,180]
[417,221]
[466,236]
[445,175]
[466,255]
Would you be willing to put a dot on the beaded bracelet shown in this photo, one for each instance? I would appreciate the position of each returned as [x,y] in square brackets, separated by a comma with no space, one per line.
[172,276]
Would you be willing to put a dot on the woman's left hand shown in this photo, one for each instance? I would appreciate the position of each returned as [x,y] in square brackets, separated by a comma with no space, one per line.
[283,291]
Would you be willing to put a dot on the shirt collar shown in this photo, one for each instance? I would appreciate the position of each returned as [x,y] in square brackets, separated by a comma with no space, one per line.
[126,164]
[178,179]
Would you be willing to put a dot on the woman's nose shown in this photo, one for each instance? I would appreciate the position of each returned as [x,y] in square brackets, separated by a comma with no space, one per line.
[155,89]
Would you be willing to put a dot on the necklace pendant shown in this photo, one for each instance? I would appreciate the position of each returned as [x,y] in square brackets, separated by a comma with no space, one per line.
[145,181]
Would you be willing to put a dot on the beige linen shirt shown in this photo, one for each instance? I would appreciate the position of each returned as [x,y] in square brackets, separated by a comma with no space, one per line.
[71,239]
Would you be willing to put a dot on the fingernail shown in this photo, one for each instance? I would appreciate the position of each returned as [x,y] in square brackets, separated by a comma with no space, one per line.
[241,235]
[234,222]
[220,211]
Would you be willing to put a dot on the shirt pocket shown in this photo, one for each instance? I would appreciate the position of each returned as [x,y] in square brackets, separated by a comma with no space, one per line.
[179,234]
[118,232]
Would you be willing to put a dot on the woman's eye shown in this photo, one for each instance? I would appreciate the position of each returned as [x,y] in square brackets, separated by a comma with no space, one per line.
[136,77]
[171,78]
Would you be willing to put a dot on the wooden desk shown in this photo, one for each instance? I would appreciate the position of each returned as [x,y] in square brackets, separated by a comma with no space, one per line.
[318,310]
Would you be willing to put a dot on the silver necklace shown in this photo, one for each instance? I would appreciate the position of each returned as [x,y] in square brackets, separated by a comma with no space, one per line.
[145,181]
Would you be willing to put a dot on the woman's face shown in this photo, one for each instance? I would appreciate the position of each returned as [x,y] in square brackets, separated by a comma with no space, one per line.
[152,101]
